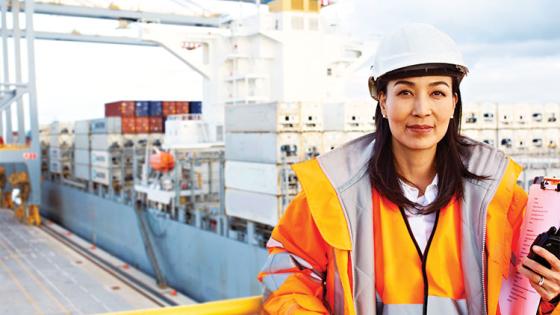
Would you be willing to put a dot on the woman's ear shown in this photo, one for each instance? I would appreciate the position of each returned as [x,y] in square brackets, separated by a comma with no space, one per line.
[455,100]
[382,103]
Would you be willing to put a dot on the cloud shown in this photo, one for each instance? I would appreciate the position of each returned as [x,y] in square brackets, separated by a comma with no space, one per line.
[466,20]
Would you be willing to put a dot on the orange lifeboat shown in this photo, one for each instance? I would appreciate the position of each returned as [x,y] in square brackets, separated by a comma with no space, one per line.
[162,161]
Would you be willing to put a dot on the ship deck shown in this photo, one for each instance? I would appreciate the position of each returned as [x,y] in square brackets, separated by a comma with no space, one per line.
[41,275]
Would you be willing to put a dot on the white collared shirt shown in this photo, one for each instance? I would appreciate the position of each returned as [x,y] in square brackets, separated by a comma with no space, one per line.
[421,224]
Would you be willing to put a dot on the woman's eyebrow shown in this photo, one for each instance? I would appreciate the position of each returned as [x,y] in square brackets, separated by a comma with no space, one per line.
[405,83]
[438,83]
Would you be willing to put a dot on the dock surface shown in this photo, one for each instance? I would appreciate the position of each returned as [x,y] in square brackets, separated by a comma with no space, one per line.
[40,275]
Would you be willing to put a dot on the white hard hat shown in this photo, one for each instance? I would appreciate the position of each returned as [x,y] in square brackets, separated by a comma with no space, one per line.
[412,45]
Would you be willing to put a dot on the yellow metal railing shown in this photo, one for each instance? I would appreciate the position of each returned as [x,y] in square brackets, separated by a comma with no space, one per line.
[243,306]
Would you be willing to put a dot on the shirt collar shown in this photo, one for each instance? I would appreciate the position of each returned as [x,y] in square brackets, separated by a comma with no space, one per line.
[411,193]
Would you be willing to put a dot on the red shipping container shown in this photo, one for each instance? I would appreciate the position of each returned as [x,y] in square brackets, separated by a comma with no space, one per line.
[182,107]
[120,109]
[128,125]
[156,125]
[142,124]
[169,108]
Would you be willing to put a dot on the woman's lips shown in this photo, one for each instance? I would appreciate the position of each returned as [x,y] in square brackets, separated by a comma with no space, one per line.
[421,129]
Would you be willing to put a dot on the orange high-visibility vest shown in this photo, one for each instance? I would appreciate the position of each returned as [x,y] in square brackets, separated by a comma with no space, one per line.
[409,280]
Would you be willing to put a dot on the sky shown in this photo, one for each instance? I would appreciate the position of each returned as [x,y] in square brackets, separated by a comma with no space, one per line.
[512,49]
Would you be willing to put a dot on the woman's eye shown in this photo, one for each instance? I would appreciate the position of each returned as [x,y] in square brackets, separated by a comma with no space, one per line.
[438,93]
[404,92]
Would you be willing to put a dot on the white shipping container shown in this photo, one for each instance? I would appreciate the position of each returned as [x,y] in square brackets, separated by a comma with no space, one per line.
[82,171]
[522,117]
[522,141]
[506,141]
[263,147]
[311,115]
[349,116]
[552,140]
[488,115]
[58,127]
[105,176]
[537,141]
[268,117]
[488,136]
[82,127]
[551,113]
[59,167]
[506,114]
[61,140]
[81,141]
[471,116]
[108,125]
[260,177]
[311,145]
[185,133]
[332,140]
[256,207]
[471,133]
[102,159]
[81,156]
[103,142]
[60,154]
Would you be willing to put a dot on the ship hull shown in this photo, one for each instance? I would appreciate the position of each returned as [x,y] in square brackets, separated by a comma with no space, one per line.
[201,264]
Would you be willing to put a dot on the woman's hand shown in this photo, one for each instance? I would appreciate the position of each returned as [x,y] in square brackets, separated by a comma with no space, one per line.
[545,281]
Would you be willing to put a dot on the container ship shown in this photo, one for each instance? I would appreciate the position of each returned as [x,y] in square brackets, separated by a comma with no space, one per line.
[188,191]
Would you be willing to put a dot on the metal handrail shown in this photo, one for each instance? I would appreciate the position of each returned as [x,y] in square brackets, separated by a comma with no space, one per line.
[242,306]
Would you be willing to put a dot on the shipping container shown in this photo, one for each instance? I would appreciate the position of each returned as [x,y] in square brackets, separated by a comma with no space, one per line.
[59,154]
[169,108]
[120,109]
[182,107]
[156,124]
[142,109]
[104,142]
[102,159]
[311,116]
[155,109]
[260,177]
[263,208]
[82,171]
[104,176]
[81,156]
[82,127]
[81,142]
[128,125]
[268,117]
[142,125]
[58,127]
[272,147]
[195,107]
[106,125]
[61,140]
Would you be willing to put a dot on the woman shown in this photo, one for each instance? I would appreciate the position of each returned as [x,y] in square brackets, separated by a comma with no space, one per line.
[413,219]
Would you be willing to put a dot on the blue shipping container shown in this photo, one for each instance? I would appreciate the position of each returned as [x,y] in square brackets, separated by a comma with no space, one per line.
[195,107]
[156,109]
[142,109]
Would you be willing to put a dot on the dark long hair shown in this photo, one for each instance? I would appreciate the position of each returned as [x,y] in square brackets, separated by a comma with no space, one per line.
[449,165]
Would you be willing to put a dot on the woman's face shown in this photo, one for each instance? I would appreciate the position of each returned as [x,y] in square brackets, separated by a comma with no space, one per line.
[418,110]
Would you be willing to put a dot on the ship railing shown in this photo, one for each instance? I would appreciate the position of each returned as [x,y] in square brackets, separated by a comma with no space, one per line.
[241,306]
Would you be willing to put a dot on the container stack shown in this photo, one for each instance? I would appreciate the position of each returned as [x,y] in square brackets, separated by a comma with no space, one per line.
[106,150]
[529,132]
[346,121]
[82,163]
[262,141]
[60,148]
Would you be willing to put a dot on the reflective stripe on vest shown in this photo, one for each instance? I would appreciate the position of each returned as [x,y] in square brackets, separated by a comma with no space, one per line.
[409,282]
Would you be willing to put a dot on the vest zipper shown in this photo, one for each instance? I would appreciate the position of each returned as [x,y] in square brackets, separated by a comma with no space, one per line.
[424,256]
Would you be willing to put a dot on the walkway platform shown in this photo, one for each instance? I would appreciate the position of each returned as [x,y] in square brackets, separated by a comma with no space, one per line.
[41,275]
